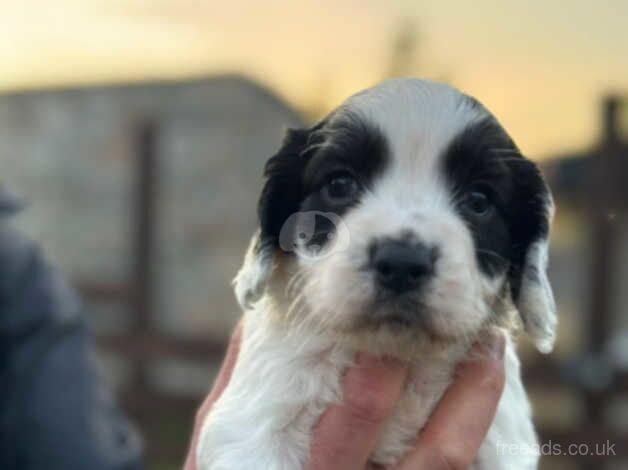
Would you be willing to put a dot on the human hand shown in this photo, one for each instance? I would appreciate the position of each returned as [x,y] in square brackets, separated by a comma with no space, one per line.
[346,433]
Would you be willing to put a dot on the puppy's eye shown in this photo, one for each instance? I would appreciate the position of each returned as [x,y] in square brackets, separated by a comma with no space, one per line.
[478,203]
[341,188]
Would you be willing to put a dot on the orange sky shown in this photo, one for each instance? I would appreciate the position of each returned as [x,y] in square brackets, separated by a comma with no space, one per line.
[540,66]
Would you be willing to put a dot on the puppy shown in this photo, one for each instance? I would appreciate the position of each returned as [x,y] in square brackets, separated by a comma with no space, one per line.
[404,224]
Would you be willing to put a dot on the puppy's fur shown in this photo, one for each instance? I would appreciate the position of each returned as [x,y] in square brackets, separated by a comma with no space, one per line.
[409,163]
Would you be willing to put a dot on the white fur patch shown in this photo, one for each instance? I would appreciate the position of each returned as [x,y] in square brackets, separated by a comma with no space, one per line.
[250,282]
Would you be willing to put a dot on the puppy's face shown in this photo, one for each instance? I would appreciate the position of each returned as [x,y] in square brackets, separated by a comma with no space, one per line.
[409,211]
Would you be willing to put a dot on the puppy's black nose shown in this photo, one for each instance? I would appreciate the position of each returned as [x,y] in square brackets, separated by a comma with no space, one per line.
[400,265]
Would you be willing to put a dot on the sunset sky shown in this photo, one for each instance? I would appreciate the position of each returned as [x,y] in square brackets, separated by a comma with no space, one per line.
[540,66]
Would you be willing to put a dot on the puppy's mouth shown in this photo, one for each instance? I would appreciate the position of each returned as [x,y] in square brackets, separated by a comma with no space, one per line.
[400,332]
[399,321]
[396,314]
[400,317]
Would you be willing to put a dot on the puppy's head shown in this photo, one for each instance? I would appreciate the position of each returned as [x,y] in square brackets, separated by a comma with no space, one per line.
[407,211]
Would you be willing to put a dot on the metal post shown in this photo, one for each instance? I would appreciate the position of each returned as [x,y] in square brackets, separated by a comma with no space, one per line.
[144,240]
[604,204]
[604,197]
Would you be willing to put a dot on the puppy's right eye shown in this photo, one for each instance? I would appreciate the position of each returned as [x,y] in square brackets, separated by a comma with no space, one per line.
[478,203]
[341,188]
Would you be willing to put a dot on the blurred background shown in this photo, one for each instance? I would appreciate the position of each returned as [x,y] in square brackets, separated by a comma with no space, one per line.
[136,132]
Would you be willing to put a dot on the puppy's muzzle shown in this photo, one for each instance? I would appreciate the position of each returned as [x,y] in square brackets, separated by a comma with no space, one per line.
[402,266]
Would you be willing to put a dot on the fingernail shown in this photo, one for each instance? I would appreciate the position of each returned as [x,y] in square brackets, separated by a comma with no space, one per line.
[494,344]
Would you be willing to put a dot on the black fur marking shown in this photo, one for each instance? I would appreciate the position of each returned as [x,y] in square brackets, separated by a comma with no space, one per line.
[484,154]
[296,175]
[282,191]
[348,145]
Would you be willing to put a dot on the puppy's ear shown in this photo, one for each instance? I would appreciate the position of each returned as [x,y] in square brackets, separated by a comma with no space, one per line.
[251,279]
[530,285]
[279,199]
[536,300]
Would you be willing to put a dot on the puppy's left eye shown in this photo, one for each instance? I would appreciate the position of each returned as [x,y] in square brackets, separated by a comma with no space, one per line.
[478,203]
[341,188]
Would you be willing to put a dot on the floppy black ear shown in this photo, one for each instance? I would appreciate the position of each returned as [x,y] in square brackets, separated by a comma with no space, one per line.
[531,290]
[280,198]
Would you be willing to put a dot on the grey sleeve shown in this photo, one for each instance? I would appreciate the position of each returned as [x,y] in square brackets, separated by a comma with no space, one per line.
[55,412]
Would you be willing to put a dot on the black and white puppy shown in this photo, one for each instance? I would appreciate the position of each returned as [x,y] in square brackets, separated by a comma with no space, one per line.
[406,223]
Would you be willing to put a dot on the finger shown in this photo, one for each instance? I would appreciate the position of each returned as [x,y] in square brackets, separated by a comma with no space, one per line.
[220,383]
[346,433]
[461,420]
